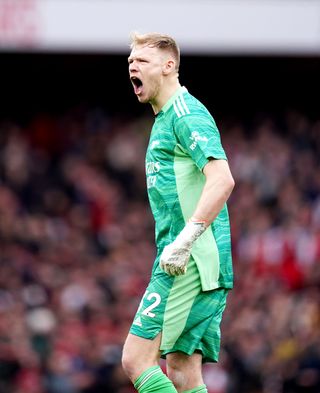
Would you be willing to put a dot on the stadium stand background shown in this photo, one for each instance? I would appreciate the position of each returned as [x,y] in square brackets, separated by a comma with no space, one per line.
[76,234]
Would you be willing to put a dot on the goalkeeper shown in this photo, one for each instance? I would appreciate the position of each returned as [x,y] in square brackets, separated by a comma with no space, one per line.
[188,182]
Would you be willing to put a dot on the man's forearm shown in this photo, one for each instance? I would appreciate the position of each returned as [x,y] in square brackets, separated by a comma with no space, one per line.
[217,189]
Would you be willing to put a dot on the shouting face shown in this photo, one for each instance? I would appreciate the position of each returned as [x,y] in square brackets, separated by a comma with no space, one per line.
[146,70]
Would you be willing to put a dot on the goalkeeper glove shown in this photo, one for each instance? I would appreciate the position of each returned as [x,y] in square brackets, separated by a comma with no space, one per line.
[175,256]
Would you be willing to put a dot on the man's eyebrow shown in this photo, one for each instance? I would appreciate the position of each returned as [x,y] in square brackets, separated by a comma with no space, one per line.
[138,58]
[131,58]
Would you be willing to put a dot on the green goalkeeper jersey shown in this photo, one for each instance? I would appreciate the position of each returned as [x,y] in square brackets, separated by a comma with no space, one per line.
[183,139]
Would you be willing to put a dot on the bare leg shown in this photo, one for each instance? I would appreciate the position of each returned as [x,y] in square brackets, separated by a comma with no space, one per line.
[139,354]
[185,371]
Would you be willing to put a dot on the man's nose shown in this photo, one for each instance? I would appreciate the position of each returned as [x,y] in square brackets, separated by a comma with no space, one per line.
[133,66]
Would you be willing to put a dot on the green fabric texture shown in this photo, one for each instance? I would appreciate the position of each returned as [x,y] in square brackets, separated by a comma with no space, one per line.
[155,381]
[183,139]
[199,389]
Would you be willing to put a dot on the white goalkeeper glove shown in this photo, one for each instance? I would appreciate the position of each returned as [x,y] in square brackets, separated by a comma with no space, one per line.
[176,255]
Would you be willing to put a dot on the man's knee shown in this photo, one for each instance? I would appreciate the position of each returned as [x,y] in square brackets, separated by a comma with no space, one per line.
[132,364]
[185,371]
[178,376]
[128,362]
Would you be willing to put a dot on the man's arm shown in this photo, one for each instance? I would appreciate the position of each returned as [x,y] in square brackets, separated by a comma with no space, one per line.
[216,191]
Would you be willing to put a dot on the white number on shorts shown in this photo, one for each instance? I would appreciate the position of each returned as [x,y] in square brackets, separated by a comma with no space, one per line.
[147,311]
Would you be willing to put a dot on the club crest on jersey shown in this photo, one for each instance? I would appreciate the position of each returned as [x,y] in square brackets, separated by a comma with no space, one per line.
[154,144]
[196,137]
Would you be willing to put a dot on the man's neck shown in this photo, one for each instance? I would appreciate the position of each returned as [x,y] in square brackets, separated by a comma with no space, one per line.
[164,97]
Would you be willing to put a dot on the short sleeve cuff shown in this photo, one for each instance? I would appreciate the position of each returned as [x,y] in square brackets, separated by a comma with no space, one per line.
[203,161]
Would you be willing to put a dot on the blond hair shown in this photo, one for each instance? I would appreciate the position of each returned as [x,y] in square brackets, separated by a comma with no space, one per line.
[157,40]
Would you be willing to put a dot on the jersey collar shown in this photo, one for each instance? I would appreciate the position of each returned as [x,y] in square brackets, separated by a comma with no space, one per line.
[168,104]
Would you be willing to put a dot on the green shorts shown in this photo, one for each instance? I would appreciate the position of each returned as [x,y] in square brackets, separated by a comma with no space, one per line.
[188,318]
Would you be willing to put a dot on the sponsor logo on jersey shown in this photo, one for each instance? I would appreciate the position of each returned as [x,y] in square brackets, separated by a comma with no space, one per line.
[137,321]
[196,137]
[151,181]
[152,168]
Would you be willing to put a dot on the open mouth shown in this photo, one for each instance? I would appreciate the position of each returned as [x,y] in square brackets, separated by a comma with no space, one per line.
[137,84]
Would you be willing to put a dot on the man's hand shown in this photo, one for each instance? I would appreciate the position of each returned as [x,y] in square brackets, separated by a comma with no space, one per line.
[175,256]
[174,259]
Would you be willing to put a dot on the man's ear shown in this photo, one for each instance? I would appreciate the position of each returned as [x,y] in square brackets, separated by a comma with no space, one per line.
[168,67]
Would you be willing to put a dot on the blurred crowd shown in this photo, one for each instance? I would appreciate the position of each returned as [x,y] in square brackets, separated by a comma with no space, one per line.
[77,246]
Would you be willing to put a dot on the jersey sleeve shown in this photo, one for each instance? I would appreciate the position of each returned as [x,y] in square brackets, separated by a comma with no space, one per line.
[200,138]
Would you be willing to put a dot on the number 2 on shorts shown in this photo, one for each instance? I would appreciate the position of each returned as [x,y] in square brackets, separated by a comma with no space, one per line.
[156,302]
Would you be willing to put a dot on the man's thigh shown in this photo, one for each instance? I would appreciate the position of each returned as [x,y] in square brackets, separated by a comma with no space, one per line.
[141,347]
[201,332]
[166,305]
[187,318]
[139,354]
